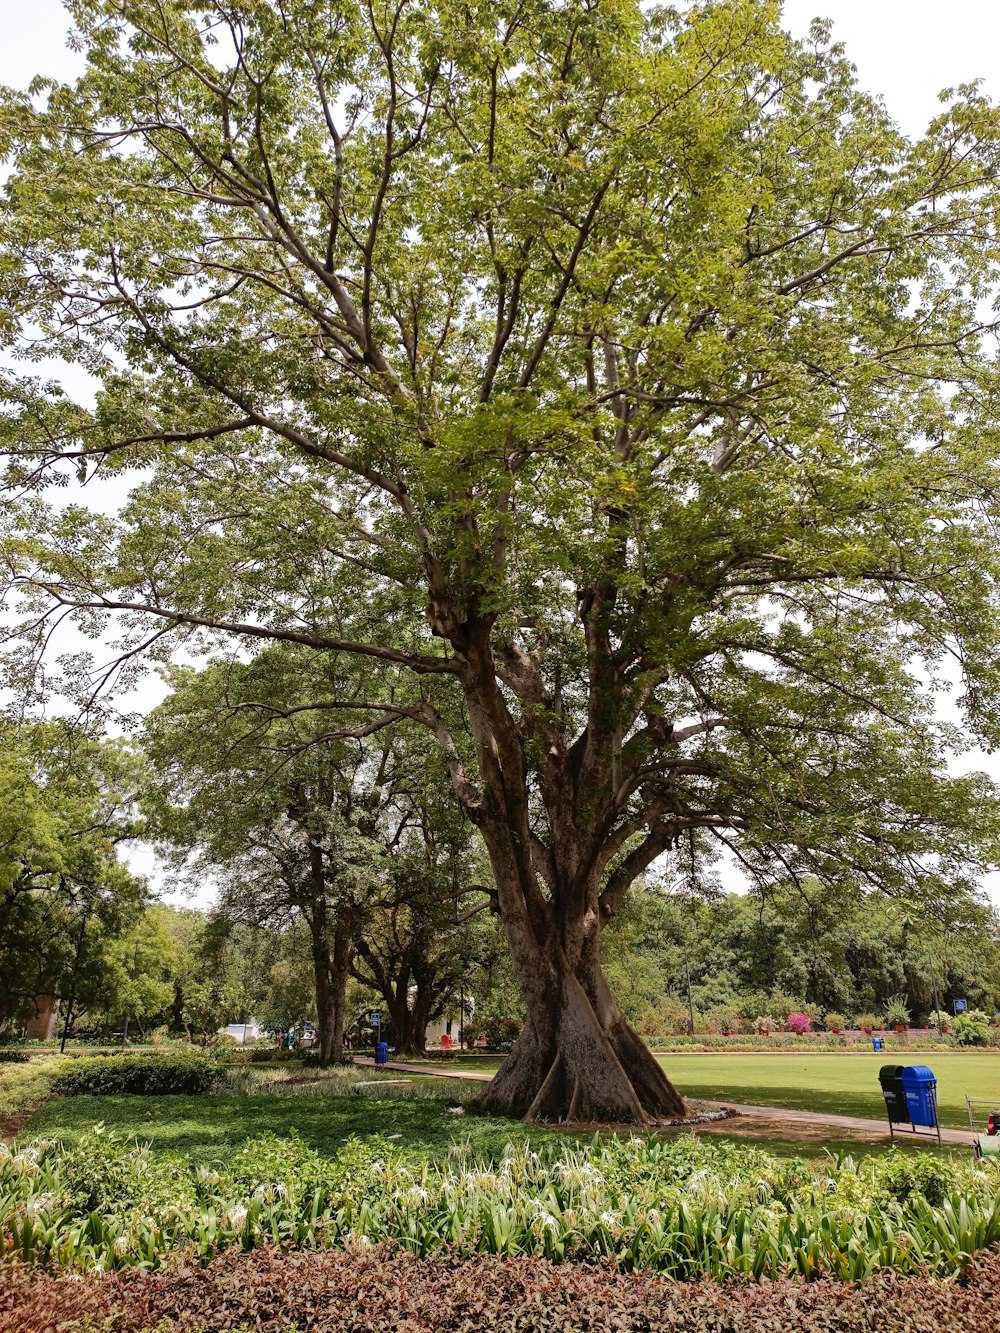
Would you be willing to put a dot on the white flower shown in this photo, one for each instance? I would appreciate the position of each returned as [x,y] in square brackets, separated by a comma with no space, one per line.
[610,1220]
[355,1241]
[121,1246]
[544,1221]
[236,1217]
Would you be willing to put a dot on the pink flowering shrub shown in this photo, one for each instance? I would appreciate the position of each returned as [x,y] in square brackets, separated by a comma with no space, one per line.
[798,1023]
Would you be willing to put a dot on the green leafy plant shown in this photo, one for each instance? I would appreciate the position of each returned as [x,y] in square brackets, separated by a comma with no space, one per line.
[834,1021]
[135,1075]
[867,1022]
[972,1028]
[680,1207]
[897,1015]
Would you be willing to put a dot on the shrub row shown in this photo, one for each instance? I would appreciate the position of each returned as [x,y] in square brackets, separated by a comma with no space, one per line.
[135,1075]
[385,1291]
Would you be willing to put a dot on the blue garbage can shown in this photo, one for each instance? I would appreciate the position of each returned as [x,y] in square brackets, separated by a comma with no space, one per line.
[920,1090]
[876,1043]
[382,1053]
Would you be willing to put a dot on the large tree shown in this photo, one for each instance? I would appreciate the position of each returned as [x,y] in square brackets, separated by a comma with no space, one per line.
[626,365]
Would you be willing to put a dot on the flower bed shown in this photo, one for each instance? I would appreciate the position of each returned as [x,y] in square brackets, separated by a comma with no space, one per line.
[681,1207]
[915,1040]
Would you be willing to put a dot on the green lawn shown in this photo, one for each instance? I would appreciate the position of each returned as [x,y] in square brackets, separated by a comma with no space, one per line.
[815,1081]
[839,1084]
[206,1127]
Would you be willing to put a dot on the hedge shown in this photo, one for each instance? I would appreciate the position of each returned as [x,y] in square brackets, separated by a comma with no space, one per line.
[135,1075]
[383,1291]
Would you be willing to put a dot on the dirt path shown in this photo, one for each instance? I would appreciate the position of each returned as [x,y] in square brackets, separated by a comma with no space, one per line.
[776,1120]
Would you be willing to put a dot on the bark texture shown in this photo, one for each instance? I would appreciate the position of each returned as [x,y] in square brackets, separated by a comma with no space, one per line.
[562,860]
[330,929]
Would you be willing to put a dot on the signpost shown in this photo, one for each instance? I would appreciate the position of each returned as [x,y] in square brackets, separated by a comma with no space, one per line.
[961,1006]
[376,1021]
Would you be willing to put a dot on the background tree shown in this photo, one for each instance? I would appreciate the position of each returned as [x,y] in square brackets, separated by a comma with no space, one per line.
[252,786]
[66,806]
[141,966]
[627,366]
[424,936]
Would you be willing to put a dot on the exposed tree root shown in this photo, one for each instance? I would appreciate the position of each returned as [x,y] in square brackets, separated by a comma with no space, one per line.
[566,1065]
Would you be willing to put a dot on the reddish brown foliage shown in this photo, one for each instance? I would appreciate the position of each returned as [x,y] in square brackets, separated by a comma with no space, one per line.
[383,1292]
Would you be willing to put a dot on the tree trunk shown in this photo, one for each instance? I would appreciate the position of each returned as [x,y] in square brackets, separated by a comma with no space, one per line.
[331,962]
[578,1059]
[339,974]
[558,880]
[177,1023]
[331,969]
[413,1039]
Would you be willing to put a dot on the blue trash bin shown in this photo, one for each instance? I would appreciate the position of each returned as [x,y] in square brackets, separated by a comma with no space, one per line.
[876,1043]
[920,1089]
[382,1053]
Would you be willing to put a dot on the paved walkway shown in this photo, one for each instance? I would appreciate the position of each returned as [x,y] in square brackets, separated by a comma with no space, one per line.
[807,1119]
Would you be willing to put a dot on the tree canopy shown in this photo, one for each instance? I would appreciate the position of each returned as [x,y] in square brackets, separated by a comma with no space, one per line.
[620,373]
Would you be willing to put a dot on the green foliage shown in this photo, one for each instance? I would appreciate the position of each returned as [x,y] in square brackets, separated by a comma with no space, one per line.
[23,1086]
[135,1075]
[626,370]
[382,1289]
[681,1207]
[66,805]
[972,1027]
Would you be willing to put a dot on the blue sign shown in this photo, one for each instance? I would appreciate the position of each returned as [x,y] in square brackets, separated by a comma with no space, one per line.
[376,1019]
[961,1006]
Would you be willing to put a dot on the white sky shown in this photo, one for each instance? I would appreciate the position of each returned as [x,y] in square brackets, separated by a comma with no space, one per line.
[907,50]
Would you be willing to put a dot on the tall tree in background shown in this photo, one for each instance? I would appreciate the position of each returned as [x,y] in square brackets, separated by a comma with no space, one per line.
[66,806]
[625,366]
[250,786]
[425,934]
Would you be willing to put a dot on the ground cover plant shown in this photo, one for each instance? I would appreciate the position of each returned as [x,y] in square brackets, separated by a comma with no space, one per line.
[209,1127]
[386,1290]
[206,1127]
[684,1207]
[22,1087]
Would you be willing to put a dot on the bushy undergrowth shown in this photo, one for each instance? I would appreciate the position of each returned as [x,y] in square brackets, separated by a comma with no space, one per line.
[23,1086]
[386,1291]
[135,1075]
[682,1207]
[914,1040]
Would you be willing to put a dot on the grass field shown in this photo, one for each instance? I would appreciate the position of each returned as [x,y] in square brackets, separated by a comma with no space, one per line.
[821,1081]
[207,1127]
[838,1084]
